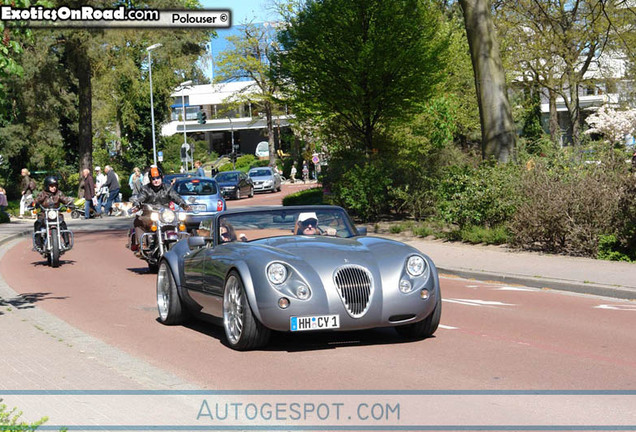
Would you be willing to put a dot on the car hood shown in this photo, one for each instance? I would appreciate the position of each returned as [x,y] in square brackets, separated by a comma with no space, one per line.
[328,253]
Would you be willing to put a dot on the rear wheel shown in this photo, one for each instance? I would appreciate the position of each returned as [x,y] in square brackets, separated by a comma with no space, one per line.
[168,300]
[424,328]
[237,195]
[242,329]
[55,249]
[75,214]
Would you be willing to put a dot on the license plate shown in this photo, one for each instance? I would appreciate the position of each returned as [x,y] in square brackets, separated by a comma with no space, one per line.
[198,207]
[320,322]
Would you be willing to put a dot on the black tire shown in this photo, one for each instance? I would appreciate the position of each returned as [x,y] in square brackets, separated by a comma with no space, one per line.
[242,330]
[75,214]
[55,249]
[168,301]
[424,328]
[153,267]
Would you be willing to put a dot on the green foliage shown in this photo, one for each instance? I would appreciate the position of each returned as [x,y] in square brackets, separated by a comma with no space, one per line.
[243,163]
[4,217]
[478,234]
[486,195]
[10,420]
[609,249]
[313,196]
[361,65]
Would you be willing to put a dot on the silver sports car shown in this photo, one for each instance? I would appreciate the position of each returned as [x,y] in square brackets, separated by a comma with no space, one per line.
[296,269]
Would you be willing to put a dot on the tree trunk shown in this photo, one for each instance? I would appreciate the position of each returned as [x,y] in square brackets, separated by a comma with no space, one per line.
[498,132]
[574,111]
[270,133]
[82,70]
[555,129]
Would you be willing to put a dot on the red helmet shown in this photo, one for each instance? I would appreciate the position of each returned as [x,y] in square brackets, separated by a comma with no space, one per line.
[155,173]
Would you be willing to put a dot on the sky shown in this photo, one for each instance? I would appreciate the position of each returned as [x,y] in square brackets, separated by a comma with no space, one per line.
[255,11]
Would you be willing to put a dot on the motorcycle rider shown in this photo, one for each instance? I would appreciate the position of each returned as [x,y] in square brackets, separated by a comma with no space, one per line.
[51,197]
[156,193]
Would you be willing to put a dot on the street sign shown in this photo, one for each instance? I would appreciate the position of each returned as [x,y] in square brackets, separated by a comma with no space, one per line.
[315,159]
[160,156]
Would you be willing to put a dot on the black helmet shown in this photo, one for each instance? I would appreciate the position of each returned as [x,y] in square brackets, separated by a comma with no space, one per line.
[50,181]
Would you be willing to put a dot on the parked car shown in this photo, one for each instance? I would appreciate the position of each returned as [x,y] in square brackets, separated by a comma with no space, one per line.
[296,269]
[265,179]
[204,197]
[235,184]
[262,150]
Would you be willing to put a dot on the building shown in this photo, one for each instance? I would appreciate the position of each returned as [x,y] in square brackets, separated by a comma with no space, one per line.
[225,122]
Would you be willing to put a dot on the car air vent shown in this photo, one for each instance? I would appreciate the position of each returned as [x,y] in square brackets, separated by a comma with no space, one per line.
[355,288]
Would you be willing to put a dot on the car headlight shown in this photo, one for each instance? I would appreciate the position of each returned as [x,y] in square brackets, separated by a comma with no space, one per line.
[168,216]
[268,182]
[415,265]
[51,214]
[302,292]
[276,273]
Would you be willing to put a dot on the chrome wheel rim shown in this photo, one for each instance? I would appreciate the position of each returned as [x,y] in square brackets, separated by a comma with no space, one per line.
[233,310]
[163,291]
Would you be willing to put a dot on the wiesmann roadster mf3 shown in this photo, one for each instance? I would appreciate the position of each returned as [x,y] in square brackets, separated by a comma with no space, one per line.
[296,269]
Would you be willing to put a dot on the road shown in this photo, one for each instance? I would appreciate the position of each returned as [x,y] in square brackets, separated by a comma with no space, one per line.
[492,336]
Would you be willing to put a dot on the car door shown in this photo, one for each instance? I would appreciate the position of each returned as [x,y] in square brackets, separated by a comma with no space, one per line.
[246,184]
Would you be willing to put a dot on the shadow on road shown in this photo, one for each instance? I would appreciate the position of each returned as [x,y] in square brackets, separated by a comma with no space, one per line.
[27,300]
[45,263]
[294,342]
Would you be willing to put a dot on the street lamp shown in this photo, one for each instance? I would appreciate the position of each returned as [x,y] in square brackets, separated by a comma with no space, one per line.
[233,150]
[152,107]
[185,141]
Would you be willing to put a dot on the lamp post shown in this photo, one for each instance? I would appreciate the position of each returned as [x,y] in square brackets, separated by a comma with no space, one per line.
[233,150]
[152,107]
[185,141]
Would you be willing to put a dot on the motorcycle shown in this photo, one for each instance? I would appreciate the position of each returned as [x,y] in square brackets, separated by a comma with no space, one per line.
[51,240]
[167,227]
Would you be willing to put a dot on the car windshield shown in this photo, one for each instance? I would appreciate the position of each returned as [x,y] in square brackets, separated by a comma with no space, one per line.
[226,177]
[196,187]
[260,173]
[312,221]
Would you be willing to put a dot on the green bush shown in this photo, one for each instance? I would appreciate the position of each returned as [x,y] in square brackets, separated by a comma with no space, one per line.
[4,217]
[313,196]
[487,195]
[422,231]
[243,163]
[10,420]
[609,249]
[478,234]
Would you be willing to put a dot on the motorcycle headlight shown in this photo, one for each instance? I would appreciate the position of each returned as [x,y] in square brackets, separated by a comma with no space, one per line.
[154,216]
[182,216]
[415,265]
[277,273]
[51,214]
[168,216]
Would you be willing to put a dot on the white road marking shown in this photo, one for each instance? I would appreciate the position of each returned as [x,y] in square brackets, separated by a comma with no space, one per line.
[617,307]
[471,302]
[447,327]
[509,288]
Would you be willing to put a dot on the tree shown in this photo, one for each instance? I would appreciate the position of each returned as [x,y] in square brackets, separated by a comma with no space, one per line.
[249,56]
[361,65]
[497,126]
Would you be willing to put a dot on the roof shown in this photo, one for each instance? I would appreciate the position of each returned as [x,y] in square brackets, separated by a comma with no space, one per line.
[214,94]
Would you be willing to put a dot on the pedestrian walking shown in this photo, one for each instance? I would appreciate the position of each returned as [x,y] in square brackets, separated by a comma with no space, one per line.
[100,192]
[3,200]
[292,173]
[89,195]
[305,172]
[27,186]
[137,181]
[112,182]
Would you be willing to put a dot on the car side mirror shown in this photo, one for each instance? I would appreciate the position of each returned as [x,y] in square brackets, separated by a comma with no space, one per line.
[195,242]
[362,231]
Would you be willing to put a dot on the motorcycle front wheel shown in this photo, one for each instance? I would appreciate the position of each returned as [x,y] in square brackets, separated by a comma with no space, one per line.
[55,249]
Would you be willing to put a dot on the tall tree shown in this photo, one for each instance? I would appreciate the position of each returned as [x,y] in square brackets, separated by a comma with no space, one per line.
[249,55]
[363,65]
[497,126]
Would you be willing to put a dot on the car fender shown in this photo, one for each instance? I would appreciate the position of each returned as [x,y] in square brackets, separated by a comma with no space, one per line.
[246,275]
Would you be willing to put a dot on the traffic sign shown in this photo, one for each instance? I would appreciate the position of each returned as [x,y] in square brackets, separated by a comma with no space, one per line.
[160,156]
[315,159]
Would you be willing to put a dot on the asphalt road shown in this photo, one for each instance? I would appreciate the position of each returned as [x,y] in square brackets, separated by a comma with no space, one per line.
[492,336]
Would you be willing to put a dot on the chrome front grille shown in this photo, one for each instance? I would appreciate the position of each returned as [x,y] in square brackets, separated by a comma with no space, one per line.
[355,287]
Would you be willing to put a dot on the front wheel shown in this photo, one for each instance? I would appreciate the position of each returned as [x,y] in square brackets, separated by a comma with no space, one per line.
[424,328]
[242,329]
[153,267]
[168,300]
[75,214]
[55,249]
[251,195]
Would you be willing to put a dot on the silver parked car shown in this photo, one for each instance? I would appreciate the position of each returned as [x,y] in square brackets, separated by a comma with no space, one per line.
[265,179]
[296,269]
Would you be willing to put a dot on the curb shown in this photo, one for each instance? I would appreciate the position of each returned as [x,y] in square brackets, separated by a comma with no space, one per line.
[545,283]
[14,236]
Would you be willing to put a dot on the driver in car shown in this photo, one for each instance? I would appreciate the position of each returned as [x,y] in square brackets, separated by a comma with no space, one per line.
[156,193]
[307,224]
